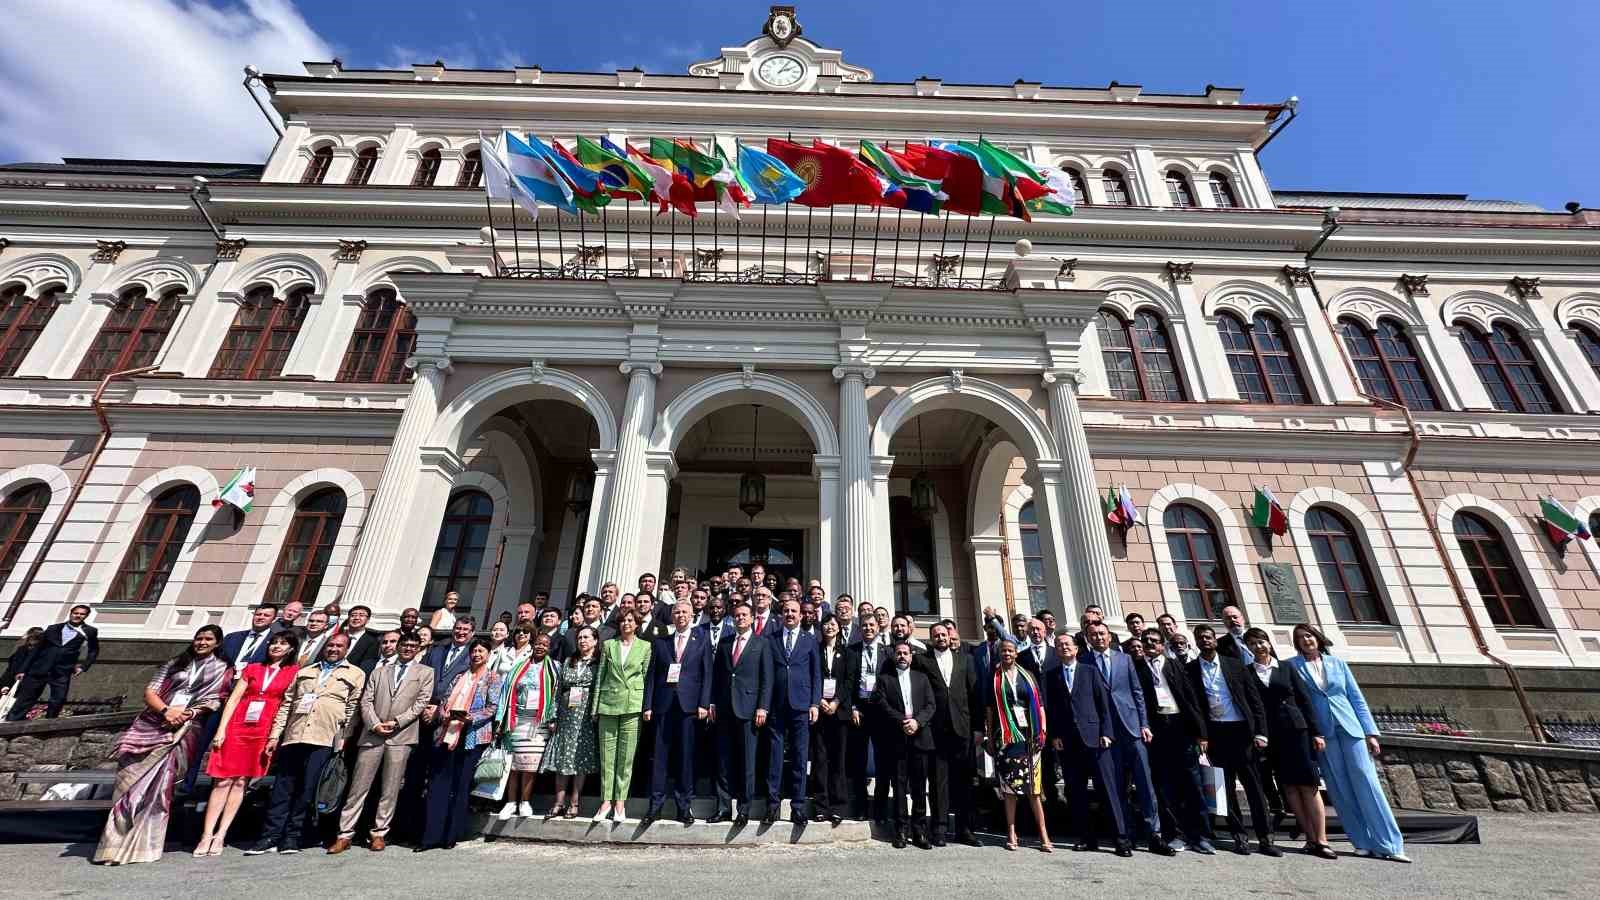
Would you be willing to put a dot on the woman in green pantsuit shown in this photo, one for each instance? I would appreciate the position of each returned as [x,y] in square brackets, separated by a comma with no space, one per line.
[625,663]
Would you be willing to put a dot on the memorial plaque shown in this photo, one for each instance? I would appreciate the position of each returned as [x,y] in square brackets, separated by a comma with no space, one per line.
[1283,593]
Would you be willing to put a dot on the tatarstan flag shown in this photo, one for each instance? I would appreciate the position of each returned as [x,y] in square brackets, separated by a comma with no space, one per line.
[1268,512]
[1560,525]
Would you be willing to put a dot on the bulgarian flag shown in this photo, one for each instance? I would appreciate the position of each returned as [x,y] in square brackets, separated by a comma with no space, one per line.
[240,492]
[1268,512]
[1560,525]
[1120,510]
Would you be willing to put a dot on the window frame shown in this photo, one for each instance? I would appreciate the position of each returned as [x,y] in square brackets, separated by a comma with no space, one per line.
[1323,537]
[1130,335]
[1587,337]
[901,514]
[402,326]
[1257,356]
[459,550]
[1505,369]
[1180,192]
[282,308]
[144,324]
[1472,551]
[366,163]
[317,166]
[1080,187]
[31,317]
[1117,179]
[1223,196]
[471,174]
[1386,362]
[172,537]
[14,539]
[1024,529]
[324,537]
[1227,590]
[428,163]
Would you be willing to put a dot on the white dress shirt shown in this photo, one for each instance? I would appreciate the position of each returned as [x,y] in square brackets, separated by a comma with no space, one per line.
[946,661]
[904,677]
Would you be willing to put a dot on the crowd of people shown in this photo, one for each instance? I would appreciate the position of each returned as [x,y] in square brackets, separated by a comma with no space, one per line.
[768,692]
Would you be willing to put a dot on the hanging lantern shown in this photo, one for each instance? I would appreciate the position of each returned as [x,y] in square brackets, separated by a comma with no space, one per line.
[753,484]
[580,485]
[924,496]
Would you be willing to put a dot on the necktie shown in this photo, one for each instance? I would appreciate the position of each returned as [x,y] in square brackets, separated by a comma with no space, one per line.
[450,658]
[680,645]
[1066,672]
[788,644]
[738,649]
[399,675]
[1105,667]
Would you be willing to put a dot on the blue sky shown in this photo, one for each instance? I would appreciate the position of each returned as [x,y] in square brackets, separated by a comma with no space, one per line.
[1492,99]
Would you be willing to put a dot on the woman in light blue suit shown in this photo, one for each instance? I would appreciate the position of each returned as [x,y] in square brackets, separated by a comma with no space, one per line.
[1352,744]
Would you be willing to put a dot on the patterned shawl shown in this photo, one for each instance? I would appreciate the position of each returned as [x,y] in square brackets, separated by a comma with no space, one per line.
[1024,696]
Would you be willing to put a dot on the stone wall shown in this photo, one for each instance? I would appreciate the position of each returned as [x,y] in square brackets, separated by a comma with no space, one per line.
[123,669]
[73,742]
[1463,775]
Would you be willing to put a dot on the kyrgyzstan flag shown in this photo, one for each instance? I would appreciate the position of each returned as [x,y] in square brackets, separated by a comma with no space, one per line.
[833,175]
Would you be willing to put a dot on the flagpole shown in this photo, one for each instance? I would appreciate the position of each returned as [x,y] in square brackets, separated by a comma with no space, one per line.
[583,238]
[894,264]
[988,246]
[942,236]
[516,238]
[494,247]
[627,228]
[855,212]
[765,208]
[561,246]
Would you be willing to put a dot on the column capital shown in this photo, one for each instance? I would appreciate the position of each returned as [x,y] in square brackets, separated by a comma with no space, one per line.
[661,463]
[865,373]
[1043,472]
[881,466]
[442,461]
[650,367]
[1055,379]
[604,460]
[986,543]
[421,362]
[825,467]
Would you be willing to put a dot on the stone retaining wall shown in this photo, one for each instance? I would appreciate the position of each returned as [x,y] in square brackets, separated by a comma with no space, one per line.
[73,742]
[1464,775]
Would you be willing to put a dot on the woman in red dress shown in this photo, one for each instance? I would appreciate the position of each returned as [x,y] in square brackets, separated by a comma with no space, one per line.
[239,751]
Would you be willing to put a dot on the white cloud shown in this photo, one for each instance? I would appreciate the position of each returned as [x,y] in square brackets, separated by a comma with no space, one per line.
[142,79]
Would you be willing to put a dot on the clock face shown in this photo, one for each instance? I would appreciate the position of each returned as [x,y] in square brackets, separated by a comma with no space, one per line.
[781,71]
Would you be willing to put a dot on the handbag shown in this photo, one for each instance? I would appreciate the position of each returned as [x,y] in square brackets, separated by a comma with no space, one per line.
[330,786]
[493,771]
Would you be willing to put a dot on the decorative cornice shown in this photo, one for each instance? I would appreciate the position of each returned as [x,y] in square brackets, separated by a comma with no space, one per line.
[349,251]
[108,251]
[228,249]
[1526,288]
[1298,276]
[1181,273]
[1414,285]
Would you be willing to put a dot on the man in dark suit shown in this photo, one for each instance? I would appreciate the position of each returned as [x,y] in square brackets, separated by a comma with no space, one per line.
[249,645]
[289,616]
[677,695]
[1129,734]
[1236,729]
[796,691]
[594,617]
[1231,643]
[1178,732]
[55,664]
[904,699]
[363,640]
[741,694]
[1078,718]
[448,660]
[955,684]
[863,748]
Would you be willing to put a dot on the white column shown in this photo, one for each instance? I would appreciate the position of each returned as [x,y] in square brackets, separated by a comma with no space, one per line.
[74,325]
[879,542]
[619,540]
[1205,347]
[988,570]
[198,338]
[1045,479]
[288,163]
[826,470]
[1574,382]
[522,544]
[660,469]
[1150,176]
[383,535]
[319,348]
[856,485]
[605,462]
[1453,359]
[1091,551]
[392,168]
[1315,341]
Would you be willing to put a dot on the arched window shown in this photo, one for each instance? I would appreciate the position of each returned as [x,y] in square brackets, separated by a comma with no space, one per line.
[1495,573]
[1588,342]
[19,513]
[306,548]
[1080,191]
[1345,573]
[262,335]
[458,554]
[916,581]
[1032,556]
[133,333]
[471,170]
[1508,370]
[1388,363]
[1178,189]
[1138,357]
[366,162]
[317,166]
[156,545]
[1115,188]
[385,335]
[1222,191]
[21,320]
[1197,562]
[427,169]
[1261,359]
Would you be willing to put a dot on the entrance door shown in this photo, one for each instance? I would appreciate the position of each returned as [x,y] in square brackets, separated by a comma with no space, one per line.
[781,550]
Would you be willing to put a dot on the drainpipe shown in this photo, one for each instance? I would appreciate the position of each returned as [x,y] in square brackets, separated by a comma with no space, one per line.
[1293,103]
[1332,225]
[77,488]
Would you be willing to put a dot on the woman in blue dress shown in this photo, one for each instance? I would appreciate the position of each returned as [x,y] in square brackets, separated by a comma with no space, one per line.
[1352,744]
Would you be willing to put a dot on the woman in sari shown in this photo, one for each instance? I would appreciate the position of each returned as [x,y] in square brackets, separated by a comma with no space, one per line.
[526,714]
[1014,734]
[156,749]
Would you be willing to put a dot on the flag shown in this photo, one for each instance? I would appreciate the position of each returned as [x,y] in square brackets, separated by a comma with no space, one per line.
[960,177]
[498,181]
[535,173]
[920,194]
[1009,182]
[660,178]
[1061,197]
[621,176]
[1268,513]
[687,160]
[833,175]
[588,188]
[680,191]
[767,178]
[240,492]
[1120,510]
[731,193]
[1560,525]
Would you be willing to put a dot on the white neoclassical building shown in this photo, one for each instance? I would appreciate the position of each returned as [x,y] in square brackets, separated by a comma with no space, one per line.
[937,408]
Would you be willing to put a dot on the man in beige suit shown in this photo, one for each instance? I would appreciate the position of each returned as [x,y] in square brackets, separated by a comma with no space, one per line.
[394,697]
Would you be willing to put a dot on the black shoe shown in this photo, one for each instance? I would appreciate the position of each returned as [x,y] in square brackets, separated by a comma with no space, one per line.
[719,817]
[768,820]
[1161,849]
[741,821]
[920,840]
[937,839]
[1085,847]
[836,820]
[1240,845]
[965,836]
[648,820]
[1124,849]
[820,816]
[287,850]
[899,840]
[686,820]
[1269,849]
[1321,850]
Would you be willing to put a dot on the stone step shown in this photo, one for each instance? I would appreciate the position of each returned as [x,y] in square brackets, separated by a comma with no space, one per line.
[672,833]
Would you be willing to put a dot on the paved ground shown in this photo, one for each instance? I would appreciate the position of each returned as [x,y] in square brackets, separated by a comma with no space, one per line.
[1525,856]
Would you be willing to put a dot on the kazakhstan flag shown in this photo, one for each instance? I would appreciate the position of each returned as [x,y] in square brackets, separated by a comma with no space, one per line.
[770,180]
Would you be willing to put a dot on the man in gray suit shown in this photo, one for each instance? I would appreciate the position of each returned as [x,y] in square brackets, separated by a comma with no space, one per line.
[394,698]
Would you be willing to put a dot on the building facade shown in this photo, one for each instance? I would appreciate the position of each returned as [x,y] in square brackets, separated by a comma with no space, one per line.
[431,403]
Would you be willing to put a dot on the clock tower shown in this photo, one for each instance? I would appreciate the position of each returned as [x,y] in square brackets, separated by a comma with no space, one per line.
[779,59]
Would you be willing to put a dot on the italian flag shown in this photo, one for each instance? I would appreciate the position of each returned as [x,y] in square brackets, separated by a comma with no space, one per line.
[1560,525]
[1268,512]
[240,492]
